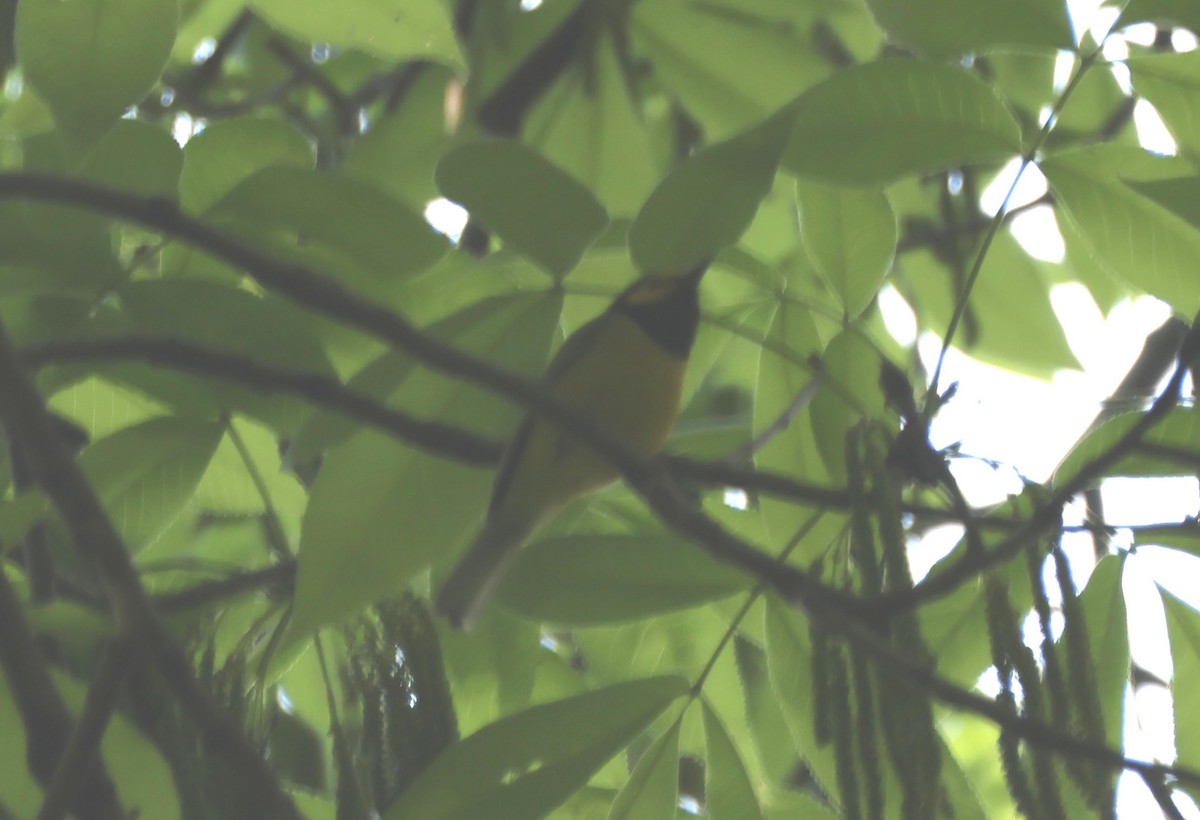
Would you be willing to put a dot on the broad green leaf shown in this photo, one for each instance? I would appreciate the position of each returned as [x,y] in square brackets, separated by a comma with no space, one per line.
[1103,604]
[381,511]
[136,157]
[851,370]
[705,204]
[1179,431]
[715,63]
[532,205]
[18,515]
[400,150]
[346,225]
[773,742]
[243,471]
[1009,321]
[653,788]
[948,27]
[789,662]
[1177,195]
[883,120]
[1172,83]
[850,235]
[728,792]
[395,30]
[592,128]
[794,450]
[1183,12]
[263,328]
[1139,240]
[91,59]
[955,626]
[227,152]
[525,765]
[1183,628]
[145,474]
[592,579]
[101,407]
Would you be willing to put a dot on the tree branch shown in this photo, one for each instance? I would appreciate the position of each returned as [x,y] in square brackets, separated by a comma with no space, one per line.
[305,287]
[323,391]
[83,749]
[44,714]
[24,415]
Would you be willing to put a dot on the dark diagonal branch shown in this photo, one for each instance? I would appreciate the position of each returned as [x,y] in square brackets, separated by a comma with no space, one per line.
[24,416]
[48,723]
[324,296]
[323,391]
[83,749]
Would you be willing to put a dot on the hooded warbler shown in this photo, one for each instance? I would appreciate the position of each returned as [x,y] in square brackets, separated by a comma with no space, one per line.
[624,370]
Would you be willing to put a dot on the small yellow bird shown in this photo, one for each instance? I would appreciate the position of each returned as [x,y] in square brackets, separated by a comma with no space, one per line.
[624,370]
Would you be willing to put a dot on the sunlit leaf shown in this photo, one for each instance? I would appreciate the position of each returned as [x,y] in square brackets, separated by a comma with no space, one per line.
[850,233]
[552,220]
[91,59]
[882,120]
[949,27]
[1172,83]
[582,579]
[525,765]
[1138,239]
[394,30]
[653,787]
[728,792]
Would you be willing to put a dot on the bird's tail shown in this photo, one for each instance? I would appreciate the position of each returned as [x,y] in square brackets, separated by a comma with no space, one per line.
[474,579]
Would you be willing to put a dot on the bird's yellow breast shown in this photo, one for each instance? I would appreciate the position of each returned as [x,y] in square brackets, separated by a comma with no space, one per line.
[629,386]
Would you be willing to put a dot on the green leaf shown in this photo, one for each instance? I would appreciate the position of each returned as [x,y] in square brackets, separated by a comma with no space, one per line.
[227,152]
[139,772]
[1183,628]
[1103,604]
[948,27]
[883,120]
[1172,83]
[346,225]
[101,407]
[394,30]
[380,511]
[264,328]
[592,128]
[593,579]
[1183,12]
[18,515]
[789,662]
[136,157]
[1179,431]
[1009,321]
[705,204]
[716,62]
[728,792]
[400,150]
[91,59]
[1136,238]
[147,473]
[851,366]
[532,205]
[850,235]
[1176,195]
[525,765]
[653,788]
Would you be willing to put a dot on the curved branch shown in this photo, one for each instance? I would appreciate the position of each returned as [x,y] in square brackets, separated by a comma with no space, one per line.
[312,291]
[323,391]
